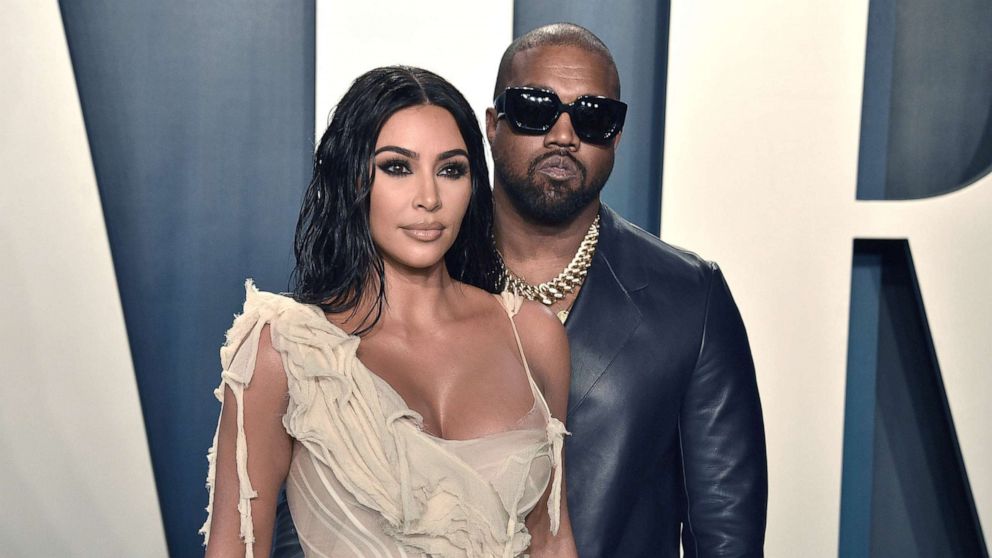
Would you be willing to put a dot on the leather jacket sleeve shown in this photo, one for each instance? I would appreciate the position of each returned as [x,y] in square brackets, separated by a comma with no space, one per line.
[722,439]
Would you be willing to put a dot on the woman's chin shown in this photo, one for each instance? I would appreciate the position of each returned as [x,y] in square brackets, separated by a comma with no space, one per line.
[417,263]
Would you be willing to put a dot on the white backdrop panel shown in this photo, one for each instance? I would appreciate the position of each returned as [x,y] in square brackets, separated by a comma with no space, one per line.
[460,41]
[763,116]
[75,476]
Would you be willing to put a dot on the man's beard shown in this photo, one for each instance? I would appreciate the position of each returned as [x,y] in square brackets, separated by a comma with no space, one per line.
[544,200]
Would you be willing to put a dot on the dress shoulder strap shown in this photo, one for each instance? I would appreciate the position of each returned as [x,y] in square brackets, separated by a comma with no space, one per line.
[555,429]
[512,302]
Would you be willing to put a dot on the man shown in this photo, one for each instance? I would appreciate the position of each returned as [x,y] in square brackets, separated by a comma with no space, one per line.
[667,437]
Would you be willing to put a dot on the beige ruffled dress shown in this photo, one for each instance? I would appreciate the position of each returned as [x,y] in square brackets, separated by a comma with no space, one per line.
[365,478]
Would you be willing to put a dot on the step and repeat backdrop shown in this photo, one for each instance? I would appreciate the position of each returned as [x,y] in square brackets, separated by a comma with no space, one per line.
[832,157]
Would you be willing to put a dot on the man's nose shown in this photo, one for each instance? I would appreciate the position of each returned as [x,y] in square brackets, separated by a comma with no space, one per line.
[562,134]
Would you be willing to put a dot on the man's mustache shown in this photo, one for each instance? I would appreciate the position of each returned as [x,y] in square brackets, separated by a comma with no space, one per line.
[532,168]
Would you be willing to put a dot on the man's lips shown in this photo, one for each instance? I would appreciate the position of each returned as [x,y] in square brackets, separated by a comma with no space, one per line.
[425,232]
[558,167]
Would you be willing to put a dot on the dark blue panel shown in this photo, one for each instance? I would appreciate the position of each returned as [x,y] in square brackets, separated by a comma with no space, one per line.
[637,34]
[873,149]
[859,407]
[919,496]
[200,121]
[927,112]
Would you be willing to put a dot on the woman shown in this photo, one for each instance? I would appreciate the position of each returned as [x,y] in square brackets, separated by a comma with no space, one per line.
[450,447]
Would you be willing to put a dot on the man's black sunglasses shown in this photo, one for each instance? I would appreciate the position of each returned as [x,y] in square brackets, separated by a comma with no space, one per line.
[535,111]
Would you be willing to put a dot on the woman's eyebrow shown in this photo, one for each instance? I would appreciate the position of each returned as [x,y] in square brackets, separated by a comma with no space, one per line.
[452,153]
[401,150]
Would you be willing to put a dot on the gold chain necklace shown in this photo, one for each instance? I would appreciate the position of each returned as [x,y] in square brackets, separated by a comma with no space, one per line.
[568,280]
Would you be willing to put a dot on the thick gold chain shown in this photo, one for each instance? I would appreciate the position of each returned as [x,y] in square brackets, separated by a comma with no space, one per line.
[568,280]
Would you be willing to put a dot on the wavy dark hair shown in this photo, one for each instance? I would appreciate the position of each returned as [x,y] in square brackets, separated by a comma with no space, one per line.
[337,265]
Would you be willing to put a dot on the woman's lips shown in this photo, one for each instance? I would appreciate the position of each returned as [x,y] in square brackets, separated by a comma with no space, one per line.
[558,167]
[424,232]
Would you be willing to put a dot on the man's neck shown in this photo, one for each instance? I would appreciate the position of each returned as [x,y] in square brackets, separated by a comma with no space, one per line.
[537,252]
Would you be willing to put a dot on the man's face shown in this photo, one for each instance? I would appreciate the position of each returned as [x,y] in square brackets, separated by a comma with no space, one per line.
[550,178]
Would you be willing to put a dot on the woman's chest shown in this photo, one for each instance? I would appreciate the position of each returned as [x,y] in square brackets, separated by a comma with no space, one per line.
[463,387]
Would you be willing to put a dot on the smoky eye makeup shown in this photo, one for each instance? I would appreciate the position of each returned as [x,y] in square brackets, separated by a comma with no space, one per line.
[454,169]
[394,166]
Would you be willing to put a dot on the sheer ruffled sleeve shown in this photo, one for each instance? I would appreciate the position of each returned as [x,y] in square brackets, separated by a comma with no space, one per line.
[238,364]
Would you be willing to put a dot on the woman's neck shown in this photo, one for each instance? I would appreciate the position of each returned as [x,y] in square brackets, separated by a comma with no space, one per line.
[417,298]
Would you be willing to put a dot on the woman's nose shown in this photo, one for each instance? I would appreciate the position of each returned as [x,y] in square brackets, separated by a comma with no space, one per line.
[428,197]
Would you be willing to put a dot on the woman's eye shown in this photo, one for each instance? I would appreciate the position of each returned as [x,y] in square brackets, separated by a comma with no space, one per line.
[454,170]
[394,167]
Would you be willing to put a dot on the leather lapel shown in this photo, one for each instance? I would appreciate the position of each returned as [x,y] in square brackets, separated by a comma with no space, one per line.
[600,322]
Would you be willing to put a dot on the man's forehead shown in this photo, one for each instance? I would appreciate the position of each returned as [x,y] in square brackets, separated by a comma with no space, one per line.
[564,69]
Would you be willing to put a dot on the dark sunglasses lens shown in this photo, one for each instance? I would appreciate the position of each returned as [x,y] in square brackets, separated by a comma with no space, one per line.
[531,111]
[597,120]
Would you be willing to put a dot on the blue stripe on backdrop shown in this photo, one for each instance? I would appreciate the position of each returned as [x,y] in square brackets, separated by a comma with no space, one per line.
[905,490]
[200,121]
[926,119]
[876,101]
[926,130]
[636,32]
[859,406]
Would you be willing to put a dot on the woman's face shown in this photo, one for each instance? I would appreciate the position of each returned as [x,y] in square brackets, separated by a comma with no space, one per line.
[421,188]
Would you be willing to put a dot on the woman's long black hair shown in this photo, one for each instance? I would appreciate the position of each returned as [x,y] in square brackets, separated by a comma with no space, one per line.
[337,264]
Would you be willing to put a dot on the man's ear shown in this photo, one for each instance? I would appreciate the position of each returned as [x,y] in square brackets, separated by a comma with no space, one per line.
[490,125]
[616,140]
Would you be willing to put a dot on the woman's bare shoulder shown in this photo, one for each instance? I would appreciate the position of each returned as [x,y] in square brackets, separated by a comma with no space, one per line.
[269,370]
[540,322]
[545,346]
